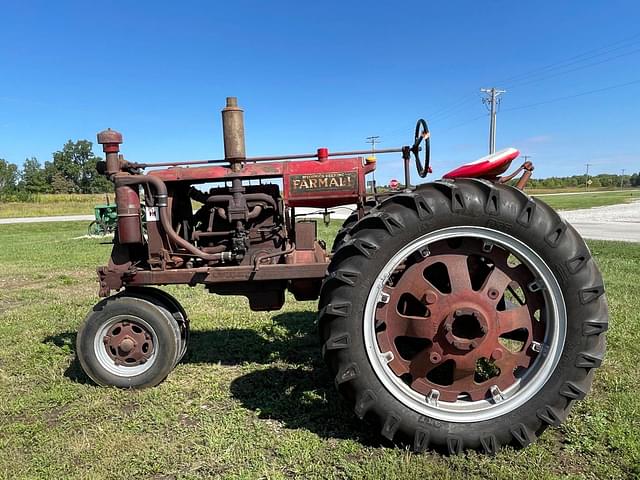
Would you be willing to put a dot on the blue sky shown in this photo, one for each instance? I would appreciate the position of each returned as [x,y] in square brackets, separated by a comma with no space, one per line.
[312,74]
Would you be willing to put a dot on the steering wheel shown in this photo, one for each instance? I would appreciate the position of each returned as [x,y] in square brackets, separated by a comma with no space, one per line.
[422,133]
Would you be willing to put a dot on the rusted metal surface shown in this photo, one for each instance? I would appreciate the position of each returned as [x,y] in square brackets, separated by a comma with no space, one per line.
[233,133]
[128,343]
[449,324]
[320,154]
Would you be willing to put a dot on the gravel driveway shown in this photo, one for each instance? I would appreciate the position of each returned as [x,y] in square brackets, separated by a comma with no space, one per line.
[613,222]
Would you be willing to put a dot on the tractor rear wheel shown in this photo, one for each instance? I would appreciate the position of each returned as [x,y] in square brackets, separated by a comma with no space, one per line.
[128,342]
[463,315]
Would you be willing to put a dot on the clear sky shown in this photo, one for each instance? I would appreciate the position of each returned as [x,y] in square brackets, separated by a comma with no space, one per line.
[327,73]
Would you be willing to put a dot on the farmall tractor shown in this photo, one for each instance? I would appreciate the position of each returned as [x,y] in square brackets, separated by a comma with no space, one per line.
[457,314]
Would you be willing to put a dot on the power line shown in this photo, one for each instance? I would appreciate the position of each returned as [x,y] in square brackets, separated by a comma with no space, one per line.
[492,100]
[581,67]
[373,140]
[573,59]
[581,94]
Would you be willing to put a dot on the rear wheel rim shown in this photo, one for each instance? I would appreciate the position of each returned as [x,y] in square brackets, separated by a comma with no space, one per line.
[445,330]
[126,346]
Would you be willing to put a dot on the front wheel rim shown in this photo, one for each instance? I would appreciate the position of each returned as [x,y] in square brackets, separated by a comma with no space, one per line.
[126,346]
[462,396]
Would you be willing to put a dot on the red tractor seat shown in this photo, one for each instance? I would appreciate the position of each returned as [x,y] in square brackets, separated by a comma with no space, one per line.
[486,167]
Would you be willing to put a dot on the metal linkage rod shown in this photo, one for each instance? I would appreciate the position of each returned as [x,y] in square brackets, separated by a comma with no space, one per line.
[266,159]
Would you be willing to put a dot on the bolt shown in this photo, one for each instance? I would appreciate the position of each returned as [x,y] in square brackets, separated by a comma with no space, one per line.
[435,357]
[126,345]
[496,354]
[493,293]
[458,313]
[430,297]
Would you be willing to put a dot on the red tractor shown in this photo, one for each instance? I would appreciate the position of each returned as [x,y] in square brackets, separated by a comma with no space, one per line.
[457,314]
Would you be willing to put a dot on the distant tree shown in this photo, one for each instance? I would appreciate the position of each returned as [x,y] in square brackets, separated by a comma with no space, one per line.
[8,177]
[60,184]
[76,163]
[33,178]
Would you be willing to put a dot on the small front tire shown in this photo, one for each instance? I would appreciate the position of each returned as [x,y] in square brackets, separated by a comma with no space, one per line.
[128,342]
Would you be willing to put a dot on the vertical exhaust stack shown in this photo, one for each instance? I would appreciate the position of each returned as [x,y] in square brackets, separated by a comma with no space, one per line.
[233,133]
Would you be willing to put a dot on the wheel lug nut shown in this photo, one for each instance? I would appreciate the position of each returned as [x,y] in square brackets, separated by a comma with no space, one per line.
[430,297]
[435,357]
[493,293]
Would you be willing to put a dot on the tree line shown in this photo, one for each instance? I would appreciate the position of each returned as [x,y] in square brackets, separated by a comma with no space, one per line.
[71,170]
[603,180]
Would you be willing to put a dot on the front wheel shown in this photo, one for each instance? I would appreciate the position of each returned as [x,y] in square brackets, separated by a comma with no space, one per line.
[128,342]
[465,315]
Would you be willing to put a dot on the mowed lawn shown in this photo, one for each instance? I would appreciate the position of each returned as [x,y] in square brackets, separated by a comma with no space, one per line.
[588,200]
[252,398]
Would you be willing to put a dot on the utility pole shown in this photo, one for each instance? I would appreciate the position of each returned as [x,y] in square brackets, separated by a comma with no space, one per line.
[622,180]
[586,182]
[492,101]
[526,158]
[373,140]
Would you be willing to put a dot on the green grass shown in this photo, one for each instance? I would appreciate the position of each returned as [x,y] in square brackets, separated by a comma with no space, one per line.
[252,398]
[588,200]
[53,204]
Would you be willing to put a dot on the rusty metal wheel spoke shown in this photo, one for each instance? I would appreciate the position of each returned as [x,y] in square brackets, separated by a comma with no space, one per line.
[496,284]
[514,319]
[458,269]
[414,283]
[424,362]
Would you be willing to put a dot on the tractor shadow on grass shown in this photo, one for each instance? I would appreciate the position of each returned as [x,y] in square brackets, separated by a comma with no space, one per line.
[293,388]
[300,394]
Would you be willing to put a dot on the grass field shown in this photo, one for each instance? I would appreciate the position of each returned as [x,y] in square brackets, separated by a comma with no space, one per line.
[252,398]
[588,200]
[52,204]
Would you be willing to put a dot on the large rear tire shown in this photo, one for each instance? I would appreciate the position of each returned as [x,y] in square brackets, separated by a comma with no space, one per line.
[464,315]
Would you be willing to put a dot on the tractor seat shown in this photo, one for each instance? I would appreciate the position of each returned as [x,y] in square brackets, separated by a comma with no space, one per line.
[486,167]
